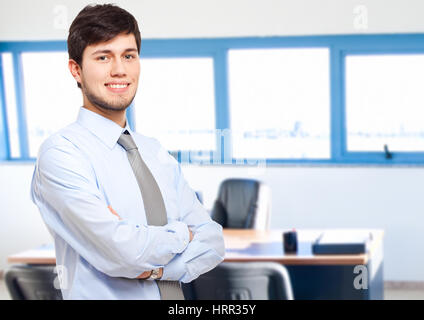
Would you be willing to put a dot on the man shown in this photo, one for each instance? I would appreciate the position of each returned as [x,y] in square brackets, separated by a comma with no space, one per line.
[125,223]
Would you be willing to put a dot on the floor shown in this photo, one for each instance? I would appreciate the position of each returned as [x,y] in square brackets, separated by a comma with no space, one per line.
[4,294]
[389,294]
[403,294]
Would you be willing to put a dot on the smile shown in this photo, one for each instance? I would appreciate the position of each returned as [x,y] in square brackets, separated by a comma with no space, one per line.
[117,85]
[118,88]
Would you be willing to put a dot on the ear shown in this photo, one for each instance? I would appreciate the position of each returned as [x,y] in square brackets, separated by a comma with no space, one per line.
[75,70]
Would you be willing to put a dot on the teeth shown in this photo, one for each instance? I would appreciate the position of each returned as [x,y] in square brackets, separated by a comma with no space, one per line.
[118,86]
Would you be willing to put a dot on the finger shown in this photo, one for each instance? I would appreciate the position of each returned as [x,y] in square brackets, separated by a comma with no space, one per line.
[114,212]
[144,275]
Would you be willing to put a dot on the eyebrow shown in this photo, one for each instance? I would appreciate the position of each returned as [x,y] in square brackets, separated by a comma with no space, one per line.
[110,51]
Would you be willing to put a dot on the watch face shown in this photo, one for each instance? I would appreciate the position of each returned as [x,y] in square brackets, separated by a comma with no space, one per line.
[155,274]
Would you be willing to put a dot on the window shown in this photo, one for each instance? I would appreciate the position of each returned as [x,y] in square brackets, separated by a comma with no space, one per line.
[348,99]
[52,98]
[385,102]
[279,103]
[175,102]
[10,101]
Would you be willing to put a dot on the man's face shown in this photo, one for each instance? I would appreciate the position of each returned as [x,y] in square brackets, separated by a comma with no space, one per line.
[109,73]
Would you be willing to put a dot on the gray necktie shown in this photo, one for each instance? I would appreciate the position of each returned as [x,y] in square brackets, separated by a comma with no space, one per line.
[153,205]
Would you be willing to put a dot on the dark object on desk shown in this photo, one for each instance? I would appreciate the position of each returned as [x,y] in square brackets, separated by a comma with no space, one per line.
[341,243]
[290,242]
[242,281]
[242,204]
[32,283]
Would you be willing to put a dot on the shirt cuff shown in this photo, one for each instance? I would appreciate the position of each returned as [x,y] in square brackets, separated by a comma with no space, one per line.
[174,270]
[181,233]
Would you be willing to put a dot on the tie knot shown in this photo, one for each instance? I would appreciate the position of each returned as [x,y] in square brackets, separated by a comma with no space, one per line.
[126,141]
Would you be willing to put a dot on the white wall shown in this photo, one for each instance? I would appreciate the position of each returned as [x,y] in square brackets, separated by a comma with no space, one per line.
[21,227]
[44,19]
[303,197]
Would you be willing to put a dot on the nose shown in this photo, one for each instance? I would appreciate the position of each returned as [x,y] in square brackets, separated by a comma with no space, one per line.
[118,69]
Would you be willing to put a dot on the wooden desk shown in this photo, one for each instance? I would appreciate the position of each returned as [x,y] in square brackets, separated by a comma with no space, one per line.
[254,245]
[312,276]
[41,255]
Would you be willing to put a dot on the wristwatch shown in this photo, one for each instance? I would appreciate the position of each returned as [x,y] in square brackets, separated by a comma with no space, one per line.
[154,275]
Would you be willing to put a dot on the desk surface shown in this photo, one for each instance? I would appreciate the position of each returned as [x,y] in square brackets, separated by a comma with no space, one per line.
[250,245]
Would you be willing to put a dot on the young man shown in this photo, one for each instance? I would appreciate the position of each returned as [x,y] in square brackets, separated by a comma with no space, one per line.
[125,223]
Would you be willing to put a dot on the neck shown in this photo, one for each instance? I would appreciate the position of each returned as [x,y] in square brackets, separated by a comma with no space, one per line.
[117,116]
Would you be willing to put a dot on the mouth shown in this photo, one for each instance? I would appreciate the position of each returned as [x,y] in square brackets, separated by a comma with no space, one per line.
[117,87]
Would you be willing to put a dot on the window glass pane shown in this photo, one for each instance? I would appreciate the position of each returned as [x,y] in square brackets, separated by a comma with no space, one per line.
[279,102]
[175,102]
[52,98]
[10,95]
[384,102]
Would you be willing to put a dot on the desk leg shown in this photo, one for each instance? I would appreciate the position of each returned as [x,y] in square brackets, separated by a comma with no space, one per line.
[376,289]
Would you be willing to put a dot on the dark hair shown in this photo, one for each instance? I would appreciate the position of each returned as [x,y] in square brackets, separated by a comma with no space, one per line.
[99,23]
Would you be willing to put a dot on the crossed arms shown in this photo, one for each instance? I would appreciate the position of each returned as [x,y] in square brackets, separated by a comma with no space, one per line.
[146,274]
[64,188]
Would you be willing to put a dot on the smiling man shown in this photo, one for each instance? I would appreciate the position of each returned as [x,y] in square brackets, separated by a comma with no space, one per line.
[108,75]
[125,223]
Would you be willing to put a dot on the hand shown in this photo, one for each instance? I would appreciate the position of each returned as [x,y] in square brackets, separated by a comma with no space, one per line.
[191,235]
[147,274]
[144,275]
[114,212]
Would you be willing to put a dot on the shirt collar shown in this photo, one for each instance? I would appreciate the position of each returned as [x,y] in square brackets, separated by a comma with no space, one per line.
[106,130]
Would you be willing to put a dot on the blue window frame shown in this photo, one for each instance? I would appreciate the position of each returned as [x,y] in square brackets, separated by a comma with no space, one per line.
[368,46]
[339,48]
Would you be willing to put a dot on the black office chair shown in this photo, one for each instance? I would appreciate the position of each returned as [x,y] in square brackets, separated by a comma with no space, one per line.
[242,281]
[32,283]
[242,204]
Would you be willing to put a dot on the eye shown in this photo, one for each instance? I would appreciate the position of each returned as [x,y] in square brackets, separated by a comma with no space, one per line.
[129,56]
[102,58]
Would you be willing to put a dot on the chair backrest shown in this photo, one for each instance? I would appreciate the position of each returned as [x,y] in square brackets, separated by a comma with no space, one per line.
[242,204]
[32,283]
[243,281]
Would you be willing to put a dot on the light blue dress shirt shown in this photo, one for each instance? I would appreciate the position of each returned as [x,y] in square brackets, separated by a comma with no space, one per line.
[79,172]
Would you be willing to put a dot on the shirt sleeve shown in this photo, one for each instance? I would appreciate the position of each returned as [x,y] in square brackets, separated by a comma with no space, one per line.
[206,250]
[64,187]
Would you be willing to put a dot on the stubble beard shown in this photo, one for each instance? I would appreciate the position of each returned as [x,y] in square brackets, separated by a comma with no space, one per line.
[106,105]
